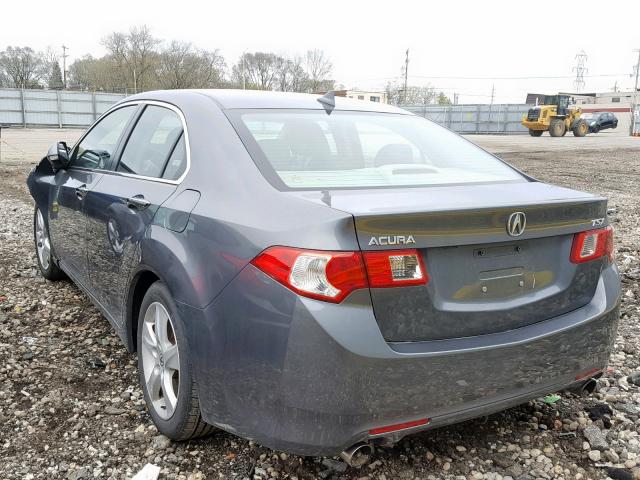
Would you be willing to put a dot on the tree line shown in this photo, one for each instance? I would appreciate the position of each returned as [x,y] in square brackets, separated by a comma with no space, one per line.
[137,61]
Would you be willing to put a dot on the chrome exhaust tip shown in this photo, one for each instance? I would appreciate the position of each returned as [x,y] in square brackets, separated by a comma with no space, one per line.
[357,455]
[589,387]
[585,389]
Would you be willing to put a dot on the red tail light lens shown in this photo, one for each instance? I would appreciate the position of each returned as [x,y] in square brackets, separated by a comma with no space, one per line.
[592,244]
[331,276]
[319,274]
[395,268]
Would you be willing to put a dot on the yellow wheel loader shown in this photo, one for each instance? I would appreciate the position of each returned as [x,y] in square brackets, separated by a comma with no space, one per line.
[557,116]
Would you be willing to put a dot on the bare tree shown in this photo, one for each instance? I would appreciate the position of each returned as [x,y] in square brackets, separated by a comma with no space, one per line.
[181,65]
[415,95]
[318,69]
[24,67]
[257,70]
[290,74]
[135,52]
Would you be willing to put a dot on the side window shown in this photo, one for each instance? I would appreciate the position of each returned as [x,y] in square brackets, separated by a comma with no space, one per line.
[151,142]
[97,147]
[177,161]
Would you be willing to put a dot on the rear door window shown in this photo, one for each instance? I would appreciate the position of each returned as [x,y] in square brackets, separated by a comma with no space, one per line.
[177,161]
[151,143]
[98,146]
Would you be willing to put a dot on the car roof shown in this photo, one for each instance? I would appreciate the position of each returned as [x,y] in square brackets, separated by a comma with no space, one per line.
[229,99]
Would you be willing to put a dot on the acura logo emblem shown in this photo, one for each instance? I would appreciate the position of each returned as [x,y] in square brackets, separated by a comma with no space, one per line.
[516,224]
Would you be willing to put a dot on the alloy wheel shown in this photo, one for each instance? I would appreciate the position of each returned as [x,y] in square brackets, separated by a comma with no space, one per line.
[43,244]
[160,360]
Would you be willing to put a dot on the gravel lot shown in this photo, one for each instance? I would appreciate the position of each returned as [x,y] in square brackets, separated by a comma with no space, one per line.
[70,406]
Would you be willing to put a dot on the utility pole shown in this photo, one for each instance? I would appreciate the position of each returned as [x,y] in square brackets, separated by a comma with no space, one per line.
[493,92]
[406,75]
[64,67]
[635,97]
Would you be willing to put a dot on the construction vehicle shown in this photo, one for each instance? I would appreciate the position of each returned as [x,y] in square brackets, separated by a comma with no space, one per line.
[557,115]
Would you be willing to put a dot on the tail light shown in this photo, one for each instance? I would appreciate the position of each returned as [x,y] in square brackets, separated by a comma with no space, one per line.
[592,244]
[395,268]
[331,276]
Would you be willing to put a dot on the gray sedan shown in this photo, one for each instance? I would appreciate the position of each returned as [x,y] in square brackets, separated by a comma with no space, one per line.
[320,274]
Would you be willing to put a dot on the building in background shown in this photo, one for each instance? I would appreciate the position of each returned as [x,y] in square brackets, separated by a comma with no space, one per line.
[380,97]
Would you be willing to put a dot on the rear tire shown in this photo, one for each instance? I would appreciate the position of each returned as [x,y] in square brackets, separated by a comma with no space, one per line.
[165,368]
[535,133]
[580,129]
[557,127]
[44,250]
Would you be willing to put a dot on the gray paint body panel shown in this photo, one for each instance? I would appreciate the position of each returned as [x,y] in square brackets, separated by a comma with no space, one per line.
[312,377]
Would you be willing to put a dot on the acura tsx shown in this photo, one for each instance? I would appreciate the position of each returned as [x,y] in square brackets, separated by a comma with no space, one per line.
[318,273]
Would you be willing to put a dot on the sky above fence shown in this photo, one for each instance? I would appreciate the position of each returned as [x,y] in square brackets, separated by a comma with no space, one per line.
[464,47]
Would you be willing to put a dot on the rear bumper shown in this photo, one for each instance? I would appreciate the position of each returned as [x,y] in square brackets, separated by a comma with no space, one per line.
[313,378]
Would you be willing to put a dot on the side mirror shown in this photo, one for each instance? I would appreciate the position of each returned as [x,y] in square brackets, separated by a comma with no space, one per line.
[58,156]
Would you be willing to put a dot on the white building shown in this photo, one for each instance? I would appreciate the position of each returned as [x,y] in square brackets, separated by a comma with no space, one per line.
[380,97]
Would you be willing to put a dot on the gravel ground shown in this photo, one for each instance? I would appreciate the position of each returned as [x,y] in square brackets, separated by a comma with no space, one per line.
[70,406]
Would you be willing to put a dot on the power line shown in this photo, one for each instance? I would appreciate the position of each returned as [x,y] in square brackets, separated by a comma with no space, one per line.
[532,77]
[580,69]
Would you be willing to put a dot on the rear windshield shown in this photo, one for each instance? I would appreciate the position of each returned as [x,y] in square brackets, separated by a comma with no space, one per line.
[308,149]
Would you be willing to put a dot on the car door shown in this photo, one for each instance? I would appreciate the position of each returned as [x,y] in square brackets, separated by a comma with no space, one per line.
[608,121]
[122,205]
[89,159]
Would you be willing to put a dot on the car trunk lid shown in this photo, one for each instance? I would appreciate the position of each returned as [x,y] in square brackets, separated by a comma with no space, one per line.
[482,279]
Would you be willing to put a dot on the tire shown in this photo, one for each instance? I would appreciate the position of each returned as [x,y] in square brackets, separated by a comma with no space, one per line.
[596,129]
[535,133]
[44,250]
[176,412]
[557,127]
[580,129]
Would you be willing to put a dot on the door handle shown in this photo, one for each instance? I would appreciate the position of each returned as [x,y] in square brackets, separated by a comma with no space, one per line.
[138,202]
[82,191]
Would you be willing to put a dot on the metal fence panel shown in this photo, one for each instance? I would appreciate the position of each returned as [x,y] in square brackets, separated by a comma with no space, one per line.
[56,108]
[496,118]
[53,108]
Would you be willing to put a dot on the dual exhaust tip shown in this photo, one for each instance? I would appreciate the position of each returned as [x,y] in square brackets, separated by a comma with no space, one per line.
[360,454]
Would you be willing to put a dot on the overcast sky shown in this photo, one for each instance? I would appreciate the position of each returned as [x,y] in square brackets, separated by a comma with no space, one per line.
[367,40]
